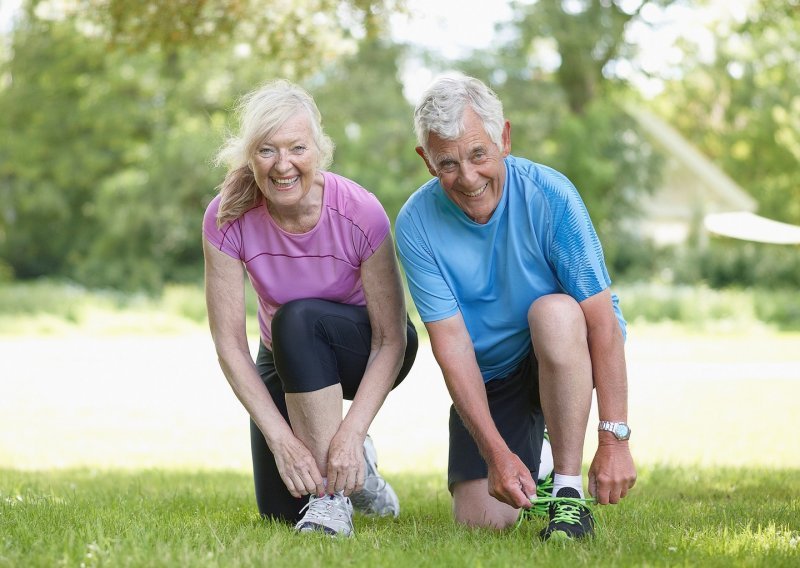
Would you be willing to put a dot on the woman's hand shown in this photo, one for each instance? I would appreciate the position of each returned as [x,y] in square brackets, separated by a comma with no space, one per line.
[297,468]
[346,465]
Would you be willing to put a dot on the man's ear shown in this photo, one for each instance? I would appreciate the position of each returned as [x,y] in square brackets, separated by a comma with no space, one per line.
[421,152]
[506,138]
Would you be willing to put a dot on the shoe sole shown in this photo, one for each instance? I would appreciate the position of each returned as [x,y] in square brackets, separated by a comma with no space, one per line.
[321,529]
[563,536]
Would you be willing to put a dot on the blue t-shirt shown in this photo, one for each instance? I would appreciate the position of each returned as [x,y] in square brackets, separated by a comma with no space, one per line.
[540,240]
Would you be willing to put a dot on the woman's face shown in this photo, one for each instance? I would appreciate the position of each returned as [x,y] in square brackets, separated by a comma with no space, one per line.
[285,164]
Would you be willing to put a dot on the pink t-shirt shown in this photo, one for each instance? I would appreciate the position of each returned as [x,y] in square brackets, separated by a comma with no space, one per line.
[323,263]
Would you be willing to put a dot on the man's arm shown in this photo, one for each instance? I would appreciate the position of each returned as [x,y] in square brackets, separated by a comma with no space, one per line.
[510,481]
[612,471]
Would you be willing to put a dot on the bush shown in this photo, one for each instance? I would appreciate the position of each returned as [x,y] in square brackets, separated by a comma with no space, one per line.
[702,307]
[729,263]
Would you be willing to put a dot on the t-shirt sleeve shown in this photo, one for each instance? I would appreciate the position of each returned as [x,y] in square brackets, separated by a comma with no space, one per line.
[432,296]
[370,226]
[575,250]
[227,238]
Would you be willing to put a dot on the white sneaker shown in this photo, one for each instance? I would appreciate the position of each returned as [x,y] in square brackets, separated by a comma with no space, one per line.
[376,497]
[331,514]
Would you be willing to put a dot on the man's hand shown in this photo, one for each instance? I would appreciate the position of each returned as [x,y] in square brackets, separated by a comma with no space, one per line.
[510,481]
[612,472]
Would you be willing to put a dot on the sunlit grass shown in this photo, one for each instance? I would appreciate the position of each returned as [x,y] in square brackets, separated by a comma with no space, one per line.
[151,457]
[674,516]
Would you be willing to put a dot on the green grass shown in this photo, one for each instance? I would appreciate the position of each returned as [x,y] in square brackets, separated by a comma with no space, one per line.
[692,517]
[677,515]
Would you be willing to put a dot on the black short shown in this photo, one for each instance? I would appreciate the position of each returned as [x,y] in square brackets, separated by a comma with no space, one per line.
[517,413]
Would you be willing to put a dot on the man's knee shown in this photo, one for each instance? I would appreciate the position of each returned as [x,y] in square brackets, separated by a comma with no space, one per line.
[474,507]
[555,307]
[556,322]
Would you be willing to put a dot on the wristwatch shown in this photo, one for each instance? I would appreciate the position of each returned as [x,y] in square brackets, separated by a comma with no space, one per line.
[620,430]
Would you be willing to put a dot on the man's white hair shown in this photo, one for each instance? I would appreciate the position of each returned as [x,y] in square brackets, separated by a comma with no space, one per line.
[441,109]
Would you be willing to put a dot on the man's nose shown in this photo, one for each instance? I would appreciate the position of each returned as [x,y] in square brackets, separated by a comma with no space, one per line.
[468,174]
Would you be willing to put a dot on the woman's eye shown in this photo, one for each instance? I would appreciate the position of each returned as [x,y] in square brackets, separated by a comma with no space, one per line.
[266,152]
[298,149]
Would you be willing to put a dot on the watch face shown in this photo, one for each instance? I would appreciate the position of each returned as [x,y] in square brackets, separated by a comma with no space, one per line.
[622,432]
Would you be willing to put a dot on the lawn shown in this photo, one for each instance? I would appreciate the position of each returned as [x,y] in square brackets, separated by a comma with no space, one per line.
[121,444]
[675,516]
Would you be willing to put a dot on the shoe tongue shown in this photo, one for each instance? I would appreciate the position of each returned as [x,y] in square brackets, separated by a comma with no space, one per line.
[568,492]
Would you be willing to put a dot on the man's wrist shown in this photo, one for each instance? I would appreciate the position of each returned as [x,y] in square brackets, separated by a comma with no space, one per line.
[620,430]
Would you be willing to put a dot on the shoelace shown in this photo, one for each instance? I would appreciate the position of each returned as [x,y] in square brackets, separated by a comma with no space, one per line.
[322,509]
[544,490]
[568,509]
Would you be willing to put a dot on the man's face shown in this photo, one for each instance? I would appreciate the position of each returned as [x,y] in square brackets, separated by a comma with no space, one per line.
[470,168]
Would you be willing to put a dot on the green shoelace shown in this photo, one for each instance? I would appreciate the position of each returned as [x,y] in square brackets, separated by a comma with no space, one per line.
[568,509]
[544,490]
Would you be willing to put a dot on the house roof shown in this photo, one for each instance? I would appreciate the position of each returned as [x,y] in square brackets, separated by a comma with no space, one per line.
[676,146]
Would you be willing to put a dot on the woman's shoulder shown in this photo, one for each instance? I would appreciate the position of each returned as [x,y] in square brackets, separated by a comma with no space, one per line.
[348,196]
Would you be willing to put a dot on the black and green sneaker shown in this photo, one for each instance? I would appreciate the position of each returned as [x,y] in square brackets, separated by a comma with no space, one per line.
[570,518]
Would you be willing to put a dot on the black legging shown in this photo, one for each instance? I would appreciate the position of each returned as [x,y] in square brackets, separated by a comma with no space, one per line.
[316,343]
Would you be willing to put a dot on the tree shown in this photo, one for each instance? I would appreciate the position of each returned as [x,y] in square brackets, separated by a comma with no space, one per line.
[588,35]
[743,107]
[362,104]
[566,107]
[111,115]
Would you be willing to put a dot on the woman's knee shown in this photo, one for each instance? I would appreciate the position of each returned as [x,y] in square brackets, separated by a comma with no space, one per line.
[294,316]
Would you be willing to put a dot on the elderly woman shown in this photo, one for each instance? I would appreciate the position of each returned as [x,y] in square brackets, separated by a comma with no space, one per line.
[318,251]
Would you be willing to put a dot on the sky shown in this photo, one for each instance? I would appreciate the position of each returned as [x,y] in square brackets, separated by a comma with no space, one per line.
[451,27]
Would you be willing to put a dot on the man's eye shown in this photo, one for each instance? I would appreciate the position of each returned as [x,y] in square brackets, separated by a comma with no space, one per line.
[448,167]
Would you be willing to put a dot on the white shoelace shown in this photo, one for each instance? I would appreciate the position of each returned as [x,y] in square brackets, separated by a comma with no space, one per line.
[327,508]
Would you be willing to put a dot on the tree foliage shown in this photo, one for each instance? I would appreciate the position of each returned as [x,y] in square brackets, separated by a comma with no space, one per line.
[361,100]
[116,109]
[743,107]
[111,112]
[569,114]
[588,35]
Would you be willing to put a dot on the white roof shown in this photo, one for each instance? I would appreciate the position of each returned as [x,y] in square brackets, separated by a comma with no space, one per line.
[750,227]
[712,177]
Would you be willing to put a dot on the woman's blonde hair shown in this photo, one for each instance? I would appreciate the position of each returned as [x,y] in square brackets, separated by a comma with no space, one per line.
[261,113]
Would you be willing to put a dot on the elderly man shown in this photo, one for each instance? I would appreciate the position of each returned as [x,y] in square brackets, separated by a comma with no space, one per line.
[508,276]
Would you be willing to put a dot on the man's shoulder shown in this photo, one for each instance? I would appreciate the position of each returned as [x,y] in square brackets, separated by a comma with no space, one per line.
[420,200]
[536,174]
[532,178]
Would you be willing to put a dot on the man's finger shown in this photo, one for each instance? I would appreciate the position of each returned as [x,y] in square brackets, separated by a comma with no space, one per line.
[528,487]
[592,485]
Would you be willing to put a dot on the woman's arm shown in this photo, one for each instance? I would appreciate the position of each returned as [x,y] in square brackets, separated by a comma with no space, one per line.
[380,277]
[224,284]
